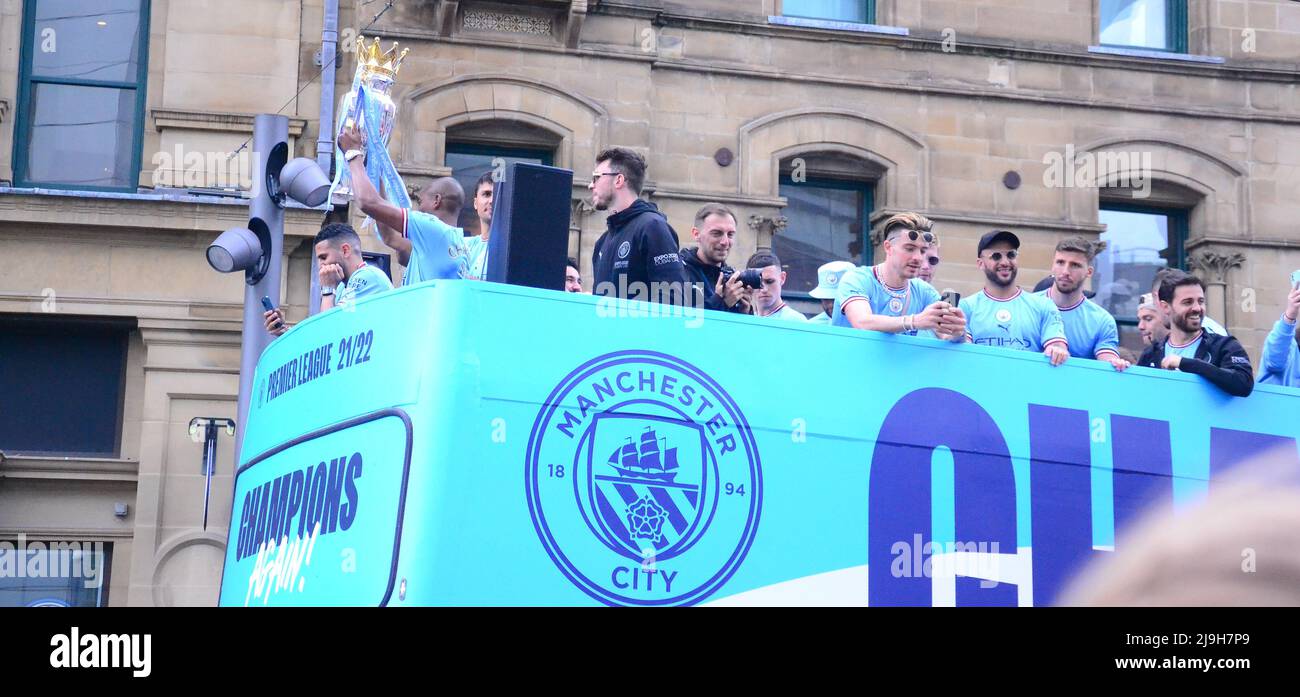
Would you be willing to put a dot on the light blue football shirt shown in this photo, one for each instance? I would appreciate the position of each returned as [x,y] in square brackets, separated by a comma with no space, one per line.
[1025,321]
[864,284]
[367,280]
[476,251]
[1089,328]
[1187,350]
[437,249]
[788,313]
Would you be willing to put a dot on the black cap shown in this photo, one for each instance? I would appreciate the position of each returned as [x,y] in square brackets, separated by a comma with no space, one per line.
[997,236]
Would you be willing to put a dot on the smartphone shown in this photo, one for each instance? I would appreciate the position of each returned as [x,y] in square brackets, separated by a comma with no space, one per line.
[1295,279]
[951,297]
[266,303]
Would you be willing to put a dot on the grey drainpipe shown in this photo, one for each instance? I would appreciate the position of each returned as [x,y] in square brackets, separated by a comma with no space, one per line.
[325,139]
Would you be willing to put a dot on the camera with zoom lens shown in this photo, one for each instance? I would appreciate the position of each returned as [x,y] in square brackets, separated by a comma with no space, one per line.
[750,278]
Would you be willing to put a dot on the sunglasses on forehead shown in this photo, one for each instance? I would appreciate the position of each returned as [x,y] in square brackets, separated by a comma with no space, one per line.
[997,256]
[913,235]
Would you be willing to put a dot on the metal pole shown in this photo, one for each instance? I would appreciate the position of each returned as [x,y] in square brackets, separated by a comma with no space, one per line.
[325,139]
[269,130]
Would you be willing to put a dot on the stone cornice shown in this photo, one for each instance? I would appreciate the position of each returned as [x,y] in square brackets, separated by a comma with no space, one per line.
[1082,60]
[143,211]
[89,469]
[214,121]
[1261,242]
[973,44]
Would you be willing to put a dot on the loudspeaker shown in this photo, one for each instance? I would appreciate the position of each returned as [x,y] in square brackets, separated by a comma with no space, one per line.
[530,226]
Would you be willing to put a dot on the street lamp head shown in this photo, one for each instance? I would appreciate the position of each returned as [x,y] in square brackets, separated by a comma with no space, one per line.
[236,249]
[304,182]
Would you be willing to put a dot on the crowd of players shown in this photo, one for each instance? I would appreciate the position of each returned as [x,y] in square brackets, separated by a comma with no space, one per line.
[638,257]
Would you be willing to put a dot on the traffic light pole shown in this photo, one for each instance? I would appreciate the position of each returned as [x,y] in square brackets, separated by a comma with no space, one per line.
[270,151]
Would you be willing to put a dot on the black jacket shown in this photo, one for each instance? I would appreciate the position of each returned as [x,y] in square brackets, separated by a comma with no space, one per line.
[1219,359]
[637,249]
[706,276]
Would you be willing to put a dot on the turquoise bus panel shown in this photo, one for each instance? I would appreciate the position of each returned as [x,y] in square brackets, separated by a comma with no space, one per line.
[567,450]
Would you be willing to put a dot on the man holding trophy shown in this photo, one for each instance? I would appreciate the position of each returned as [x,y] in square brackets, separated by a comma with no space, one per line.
[426,239]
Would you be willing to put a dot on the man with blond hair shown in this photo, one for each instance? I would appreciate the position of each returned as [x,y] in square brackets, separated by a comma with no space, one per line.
[889,297]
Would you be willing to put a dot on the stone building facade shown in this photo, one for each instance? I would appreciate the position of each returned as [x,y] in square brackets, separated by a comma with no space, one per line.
[814,125]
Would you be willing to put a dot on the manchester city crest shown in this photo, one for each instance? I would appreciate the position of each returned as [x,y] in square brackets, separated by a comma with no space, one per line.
[643,480]
[895,305]
[1003,316]
[623,249]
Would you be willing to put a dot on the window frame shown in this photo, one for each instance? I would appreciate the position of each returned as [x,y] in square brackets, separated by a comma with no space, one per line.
[1176,29]
[1179,219]
[546,155]
[123,328]
[27,81]
[870,14]
[866,188]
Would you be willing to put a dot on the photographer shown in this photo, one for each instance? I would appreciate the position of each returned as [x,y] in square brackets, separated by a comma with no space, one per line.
[706,263]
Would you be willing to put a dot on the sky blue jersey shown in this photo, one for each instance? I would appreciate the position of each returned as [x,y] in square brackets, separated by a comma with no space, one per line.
[366,280]
[864,284]
[476,252]
[1025,321]
[437,249]
[1089,328]
[1280,360]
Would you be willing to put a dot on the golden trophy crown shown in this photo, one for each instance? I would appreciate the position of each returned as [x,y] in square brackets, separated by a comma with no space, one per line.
[373,62]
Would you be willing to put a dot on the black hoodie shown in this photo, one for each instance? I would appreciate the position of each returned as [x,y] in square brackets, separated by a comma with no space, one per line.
[1219,359]
[637,249]
[706,275]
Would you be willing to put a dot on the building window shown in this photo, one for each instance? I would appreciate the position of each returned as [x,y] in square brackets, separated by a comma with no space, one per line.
[1159,25]
[54,573]
[826,221]
[860,11]
[1139,242]
[81,91]
[469,161]
[69,375]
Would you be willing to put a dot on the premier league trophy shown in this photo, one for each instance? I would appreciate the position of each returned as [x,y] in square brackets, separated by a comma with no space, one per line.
[370,107]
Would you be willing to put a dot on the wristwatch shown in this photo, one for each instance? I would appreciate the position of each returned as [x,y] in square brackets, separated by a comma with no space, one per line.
[353,154]
[326,291]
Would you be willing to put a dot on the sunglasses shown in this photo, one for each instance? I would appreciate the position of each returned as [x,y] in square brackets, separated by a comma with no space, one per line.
[595,176]
[997,256]
[913,235]
[933,261]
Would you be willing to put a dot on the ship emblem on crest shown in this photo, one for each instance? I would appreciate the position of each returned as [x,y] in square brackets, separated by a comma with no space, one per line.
[642,495]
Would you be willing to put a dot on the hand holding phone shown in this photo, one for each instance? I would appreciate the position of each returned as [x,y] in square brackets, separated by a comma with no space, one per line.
[274,319]
[1295,279]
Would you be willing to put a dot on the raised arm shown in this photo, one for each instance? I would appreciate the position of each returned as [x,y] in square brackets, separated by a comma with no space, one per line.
[391,219]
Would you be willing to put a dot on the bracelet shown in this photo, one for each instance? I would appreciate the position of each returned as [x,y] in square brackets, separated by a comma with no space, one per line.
[326,291]
[909,323]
